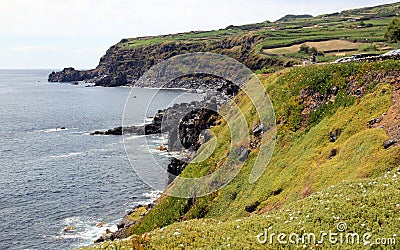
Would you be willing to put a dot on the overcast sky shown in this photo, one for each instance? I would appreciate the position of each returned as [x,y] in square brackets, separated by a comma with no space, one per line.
[52,34]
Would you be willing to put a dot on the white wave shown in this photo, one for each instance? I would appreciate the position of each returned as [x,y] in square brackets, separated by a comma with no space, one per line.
[85,229]
[152,195]
[52,130]
[67,155]
[147,198]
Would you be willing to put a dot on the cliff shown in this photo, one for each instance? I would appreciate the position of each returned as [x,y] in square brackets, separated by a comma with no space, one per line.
[126,61]
[250,44]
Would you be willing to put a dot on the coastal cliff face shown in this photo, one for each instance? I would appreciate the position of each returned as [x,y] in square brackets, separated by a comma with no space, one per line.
[250,44]
[125,62]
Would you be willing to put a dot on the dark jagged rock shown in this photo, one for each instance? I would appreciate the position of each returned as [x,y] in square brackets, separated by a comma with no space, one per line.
[259,129]
[251,208]
[93,76]
[127,221]
[175,168]
[333,135]
[277,191]
[71,75]
[190,128]
[387,144]
[240,154]
[114,131]
[192,122]
[244,153]
[333,153]
[374,121]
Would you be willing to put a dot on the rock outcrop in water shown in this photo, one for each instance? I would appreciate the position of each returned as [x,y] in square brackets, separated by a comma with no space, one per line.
[125,62]
[71,75]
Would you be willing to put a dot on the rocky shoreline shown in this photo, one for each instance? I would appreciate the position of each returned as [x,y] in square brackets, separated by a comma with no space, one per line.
[129,220]
[194,119]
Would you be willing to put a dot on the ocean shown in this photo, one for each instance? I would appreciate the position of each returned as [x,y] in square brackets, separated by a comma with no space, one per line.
[53,174]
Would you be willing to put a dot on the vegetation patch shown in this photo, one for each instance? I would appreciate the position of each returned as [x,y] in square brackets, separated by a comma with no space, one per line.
[302,163]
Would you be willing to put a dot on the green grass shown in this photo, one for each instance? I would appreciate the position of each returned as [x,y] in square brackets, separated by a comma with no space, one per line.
[300,166]
[248,43]
[195,36]
[304,187]
[367,206]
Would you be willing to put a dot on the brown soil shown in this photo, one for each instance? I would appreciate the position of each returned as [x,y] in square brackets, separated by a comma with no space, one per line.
[390,121]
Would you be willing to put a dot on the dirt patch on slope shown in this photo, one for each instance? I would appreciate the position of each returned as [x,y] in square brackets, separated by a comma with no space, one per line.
[390,121]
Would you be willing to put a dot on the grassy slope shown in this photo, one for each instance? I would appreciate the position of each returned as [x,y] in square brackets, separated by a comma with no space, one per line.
[339,25]
[300,166]
[366,206]
[250,44]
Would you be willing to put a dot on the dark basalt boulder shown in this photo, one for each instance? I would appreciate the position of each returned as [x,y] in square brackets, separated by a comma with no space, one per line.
[387,144]
[175,168]
[111,80]
[259,129]
[114,131]
[243,154]
[251,208]
[333,135]
[333,153]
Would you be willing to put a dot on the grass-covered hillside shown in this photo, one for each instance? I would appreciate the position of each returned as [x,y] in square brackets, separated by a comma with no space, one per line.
[252,44]
[268,46]
[329,166]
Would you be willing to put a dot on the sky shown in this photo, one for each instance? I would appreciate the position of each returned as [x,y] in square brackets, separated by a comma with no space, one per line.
[53,34]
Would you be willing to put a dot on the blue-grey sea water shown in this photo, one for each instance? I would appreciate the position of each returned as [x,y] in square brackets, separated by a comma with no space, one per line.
[51,178]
